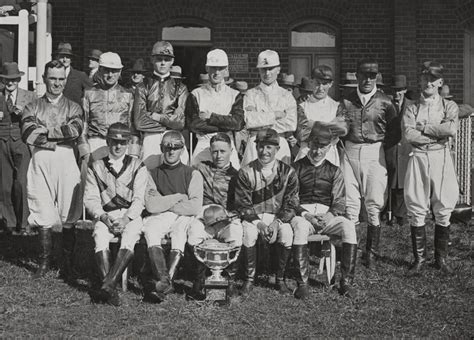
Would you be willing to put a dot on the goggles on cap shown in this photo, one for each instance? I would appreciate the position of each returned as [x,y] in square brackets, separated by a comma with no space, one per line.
[161,58]
[172,146]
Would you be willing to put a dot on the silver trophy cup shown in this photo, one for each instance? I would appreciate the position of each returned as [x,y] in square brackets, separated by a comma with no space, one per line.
[216,256]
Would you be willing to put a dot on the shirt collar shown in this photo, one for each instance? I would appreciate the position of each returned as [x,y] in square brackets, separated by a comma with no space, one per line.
[13,94]
[162,77]
[366,96]
[53,100]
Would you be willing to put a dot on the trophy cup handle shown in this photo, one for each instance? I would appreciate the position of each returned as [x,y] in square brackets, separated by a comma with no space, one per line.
[196,253]
[236,256]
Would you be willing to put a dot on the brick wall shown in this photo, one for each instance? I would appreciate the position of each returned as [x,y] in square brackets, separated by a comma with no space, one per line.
[400,35]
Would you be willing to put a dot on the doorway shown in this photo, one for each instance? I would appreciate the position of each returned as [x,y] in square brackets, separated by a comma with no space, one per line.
[192,60]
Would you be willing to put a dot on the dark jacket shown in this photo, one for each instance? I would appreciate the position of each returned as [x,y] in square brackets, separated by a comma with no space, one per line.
[10,124]
[77,82]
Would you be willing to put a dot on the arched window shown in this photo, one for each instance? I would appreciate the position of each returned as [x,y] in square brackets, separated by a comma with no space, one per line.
[313,43]
[191,39]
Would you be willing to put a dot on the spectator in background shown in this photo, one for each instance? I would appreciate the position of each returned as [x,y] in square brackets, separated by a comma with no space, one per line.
[93,58]
[138,72]
[76,81]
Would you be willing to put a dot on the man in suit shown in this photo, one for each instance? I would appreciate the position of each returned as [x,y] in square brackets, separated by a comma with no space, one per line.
[14,154]
[76,81]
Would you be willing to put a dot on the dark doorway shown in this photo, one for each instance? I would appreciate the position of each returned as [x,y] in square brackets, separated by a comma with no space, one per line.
[192,60]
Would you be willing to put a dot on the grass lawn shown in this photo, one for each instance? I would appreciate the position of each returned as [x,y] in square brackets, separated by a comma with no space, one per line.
[388,304]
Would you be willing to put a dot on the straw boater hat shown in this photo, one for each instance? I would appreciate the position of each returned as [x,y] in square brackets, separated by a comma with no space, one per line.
[10,71]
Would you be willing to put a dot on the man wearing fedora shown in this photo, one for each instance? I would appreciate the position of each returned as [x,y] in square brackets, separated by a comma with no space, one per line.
[214,107]
[373,127]
[14,154]
[115,197]
[107,102]
[318,106]
[397,156]
[52,126]
[93,58]
[266,198]
[269,105]
[76,81]
[322,207]
[137,72]
[159,105]
[430,180]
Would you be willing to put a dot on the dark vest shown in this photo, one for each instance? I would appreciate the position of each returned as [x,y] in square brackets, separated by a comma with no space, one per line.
[172,179]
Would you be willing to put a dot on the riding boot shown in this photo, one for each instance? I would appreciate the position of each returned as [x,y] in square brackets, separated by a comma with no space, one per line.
[250,263]
[198,292]
[301,260]
[232,272]
[348,263]
[67,271]
[159,270]
[372,245]
[418,242]
[46,246]
[283,256]
[441,249]
[124,256]
[102,259]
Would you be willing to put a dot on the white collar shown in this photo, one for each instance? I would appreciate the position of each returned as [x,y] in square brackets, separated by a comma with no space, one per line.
[366,96]
[161,76]
[54,100]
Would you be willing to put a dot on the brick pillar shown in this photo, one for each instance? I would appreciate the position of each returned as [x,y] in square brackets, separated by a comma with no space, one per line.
[405,62]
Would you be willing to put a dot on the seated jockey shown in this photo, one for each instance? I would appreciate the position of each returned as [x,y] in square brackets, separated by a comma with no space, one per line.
[173,197]
[322,208]
[266,198]
[114,196]
[219,178]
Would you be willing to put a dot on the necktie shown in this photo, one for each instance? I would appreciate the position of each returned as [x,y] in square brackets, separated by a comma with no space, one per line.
[10,103]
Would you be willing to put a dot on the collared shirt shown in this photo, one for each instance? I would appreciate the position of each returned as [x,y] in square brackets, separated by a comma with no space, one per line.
[12,95]
[68,70]
[162,76]
[365,97]
[54,100]
[116,163]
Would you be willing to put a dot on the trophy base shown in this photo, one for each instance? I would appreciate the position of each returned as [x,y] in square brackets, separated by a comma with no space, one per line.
[216,291]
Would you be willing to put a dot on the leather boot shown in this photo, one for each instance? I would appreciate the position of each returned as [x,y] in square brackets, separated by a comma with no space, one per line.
[250,264]
[198,292]
[102,259]
[418,242]
[67,271]
[124,256]
[159,270]
[441,249]
[283,256]
[301,260]
[46,247]
[232,272]
[372,245]
[348,263]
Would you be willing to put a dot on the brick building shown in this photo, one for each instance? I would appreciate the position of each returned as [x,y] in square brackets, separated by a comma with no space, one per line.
[399,34]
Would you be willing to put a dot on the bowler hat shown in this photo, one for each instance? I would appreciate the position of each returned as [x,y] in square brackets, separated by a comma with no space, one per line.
[267,136]
[11,71]
[432,68]
[139,66]
[110,60]
[308,84]
[94,54]
[287,80]
[64,48]
[118,131]
[163,48]
[399,82]
[268,58]
[323,72]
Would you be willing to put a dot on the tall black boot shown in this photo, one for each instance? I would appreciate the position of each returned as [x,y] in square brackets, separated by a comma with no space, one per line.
[372,245]
[283,256]
[301,259]
[124,256]
[348,263]
[232,272]
[198,293]
[250,264]
[102,259]
[418,242]
[46,247]
[159,270]
[67,271]
[441,249]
